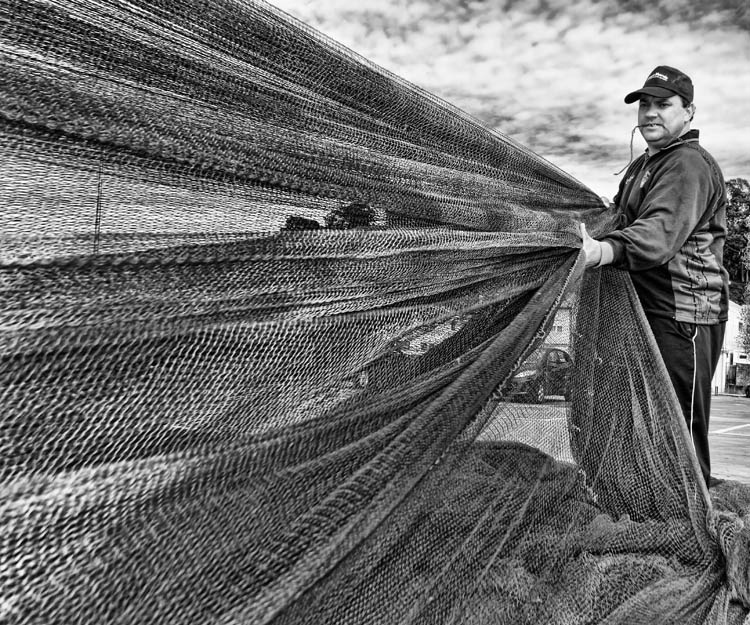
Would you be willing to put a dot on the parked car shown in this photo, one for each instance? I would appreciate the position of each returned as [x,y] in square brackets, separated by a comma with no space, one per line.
[747,391]
[545,372]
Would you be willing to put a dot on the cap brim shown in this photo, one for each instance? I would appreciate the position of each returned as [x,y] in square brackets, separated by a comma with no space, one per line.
[659,92]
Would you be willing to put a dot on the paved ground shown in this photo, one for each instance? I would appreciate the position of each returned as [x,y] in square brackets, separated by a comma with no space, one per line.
[729,437]
[545,426]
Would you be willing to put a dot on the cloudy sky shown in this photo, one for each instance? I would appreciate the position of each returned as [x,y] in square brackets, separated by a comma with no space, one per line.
[553,73]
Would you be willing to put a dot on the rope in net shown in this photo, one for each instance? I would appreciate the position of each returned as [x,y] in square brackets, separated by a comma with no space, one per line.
[272,322]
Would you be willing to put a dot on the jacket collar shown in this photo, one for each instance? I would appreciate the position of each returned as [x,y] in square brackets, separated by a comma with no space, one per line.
[691,136]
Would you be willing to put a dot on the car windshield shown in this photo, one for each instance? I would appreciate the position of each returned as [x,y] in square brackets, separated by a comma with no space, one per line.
[532,361]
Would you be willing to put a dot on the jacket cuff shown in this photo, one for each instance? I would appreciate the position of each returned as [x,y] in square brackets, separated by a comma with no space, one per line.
[617,248]
[607,253]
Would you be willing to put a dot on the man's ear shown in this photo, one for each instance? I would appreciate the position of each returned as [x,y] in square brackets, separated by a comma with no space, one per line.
[691,111]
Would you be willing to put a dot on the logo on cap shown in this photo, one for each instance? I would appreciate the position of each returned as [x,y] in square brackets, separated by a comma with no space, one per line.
[658,75]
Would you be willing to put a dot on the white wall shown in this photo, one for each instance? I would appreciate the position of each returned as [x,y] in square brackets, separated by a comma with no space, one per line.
[730,347]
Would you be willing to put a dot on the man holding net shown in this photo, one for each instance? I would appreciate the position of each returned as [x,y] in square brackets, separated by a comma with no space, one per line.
[672,208]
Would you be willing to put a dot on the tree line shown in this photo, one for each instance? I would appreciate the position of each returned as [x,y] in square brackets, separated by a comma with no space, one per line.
[737,251]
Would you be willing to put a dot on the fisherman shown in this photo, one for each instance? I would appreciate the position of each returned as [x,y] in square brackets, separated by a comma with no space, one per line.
[672,209]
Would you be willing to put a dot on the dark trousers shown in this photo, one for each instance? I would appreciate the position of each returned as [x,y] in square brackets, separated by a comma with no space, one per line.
[691,353]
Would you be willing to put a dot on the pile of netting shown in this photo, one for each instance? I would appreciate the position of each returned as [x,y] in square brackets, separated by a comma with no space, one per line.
[286,339]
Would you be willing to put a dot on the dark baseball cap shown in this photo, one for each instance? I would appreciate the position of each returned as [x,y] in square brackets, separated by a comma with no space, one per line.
[664,82]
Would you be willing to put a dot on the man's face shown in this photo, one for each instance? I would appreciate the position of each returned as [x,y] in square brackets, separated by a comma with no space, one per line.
[662,119]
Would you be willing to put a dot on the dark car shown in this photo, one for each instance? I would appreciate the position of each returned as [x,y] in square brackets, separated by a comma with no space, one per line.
[545,372]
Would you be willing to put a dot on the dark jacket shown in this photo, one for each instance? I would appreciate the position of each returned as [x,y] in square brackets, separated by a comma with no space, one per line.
[673,225]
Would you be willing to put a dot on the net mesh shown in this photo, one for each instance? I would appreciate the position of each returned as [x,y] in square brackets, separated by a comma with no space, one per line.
[286,339]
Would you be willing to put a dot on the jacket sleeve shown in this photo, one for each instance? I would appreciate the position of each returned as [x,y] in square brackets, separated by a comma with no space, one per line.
[673,207]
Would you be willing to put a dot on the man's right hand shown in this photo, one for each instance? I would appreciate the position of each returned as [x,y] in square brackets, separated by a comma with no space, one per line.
[597,253]
[591,248]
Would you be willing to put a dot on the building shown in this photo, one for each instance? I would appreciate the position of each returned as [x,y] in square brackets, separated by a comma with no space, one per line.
[733,371]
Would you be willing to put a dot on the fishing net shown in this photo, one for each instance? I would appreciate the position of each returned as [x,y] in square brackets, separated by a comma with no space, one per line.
[286,339]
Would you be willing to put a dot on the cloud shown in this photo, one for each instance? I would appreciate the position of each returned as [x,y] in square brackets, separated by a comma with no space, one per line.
[552,74]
